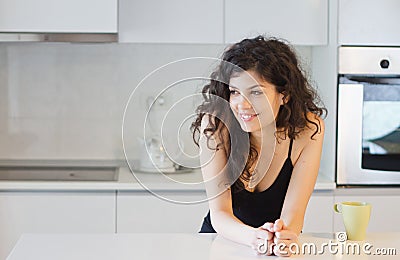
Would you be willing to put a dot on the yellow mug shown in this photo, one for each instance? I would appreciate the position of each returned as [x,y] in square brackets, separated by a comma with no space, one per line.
[355,218]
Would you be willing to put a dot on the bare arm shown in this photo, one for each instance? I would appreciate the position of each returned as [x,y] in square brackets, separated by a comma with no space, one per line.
[301,186]
[302,182]
[220,201]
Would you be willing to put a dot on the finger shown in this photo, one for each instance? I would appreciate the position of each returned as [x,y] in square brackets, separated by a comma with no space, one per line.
[281,250]
[278,241]
[268,226]
[260,246]
[264,234]
[286,234]
[282,247]
[278,225]
[263,247]
[272,248]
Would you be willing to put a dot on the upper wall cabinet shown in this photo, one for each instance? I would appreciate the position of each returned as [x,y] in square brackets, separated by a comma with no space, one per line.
[172,21]
[369,22]
[300,22]
[58,16]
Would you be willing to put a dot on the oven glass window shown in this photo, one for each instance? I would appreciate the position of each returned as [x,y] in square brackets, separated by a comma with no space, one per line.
[381,127]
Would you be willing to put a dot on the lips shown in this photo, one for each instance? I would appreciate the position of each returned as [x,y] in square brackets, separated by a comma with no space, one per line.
[247,117]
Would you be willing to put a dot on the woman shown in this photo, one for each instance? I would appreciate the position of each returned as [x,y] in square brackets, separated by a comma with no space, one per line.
[260,153]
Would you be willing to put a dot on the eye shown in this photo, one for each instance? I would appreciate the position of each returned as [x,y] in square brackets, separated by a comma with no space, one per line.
[233,92]
[256,92]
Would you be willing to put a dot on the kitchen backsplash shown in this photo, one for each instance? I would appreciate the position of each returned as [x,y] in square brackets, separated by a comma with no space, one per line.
[66,101]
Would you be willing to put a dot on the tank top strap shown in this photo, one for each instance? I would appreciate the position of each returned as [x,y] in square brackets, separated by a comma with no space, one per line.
[290,148]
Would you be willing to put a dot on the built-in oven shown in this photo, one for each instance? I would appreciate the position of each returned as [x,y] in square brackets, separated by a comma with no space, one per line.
[368,137]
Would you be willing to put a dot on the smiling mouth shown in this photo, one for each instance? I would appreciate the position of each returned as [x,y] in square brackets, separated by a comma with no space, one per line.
[247,117]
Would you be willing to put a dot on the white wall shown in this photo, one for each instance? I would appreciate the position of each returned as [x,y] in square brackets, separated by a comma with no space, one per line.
[66,101]
[324,70]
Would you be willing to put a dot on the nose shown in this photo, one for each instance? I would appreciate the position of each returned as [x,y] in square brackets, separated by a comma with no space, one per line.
[243,102]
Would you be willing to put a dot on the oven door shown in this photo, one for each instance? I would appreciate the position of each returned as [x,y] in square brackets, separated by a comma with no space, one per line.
[368,141]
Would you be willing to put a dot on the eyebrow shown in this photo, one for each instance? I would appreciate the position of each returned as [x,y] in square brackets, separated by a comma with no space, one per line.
[258,85]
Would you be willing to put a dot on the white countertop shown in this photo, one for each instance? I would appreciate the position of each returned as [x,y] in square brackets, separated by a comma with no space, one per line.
[185,181]
[185,246]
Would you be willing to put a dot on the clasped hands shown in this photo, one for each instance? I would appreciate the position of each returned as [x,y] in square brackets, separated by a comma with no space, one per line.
[274,238]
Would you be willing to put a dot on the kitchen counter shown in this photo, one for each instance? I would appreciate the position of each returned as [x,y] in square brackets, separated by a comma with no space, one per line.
[184,181]
[190,246]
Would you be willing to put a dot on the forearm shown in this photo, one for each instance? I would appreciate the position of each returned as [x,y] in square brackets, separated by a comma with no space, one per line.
[232,228]
[293,220]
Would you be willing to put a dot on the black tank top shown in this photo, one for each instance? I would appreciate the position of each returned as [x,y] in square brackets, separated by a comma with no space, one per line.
[257,208]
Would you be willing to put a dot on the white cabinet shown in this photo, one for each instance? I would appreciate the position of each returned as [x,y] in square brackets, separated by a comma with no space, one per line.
[54,212]
[173,21]
[319,214]
[385,212]
[62,16]
[144,212]
[300,22]
[222,21]
[369,22]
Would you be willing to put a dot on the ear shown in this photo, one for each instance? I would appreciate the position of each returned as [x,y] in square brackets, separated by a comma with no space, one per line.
[283,98]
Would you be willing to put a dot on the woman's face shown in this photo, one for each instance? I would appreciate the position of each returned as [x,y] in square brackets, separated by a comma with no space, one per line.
[254,101]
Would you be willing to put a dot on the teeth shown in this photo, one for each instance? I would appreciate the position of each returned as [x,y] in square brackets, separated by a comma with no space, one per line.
[247,116]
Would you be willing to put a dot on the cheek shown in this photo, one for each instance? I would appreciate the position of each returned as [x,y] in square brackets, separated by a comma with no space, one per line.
[273,101]
[233,103]
[261,104]
[265,106]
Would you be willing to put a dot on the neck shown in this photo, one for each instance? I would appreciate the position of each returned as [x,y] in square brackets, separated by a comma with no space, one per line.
[263,138]
[264,141]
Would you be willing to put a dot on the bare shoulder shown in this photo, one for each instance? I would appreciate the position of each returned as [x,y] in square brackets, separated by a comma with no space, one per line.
[309,141]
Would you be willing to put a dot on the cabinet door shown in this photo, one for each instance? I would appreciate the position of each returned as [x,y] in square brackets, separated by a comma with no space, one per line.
[369,22]
[144,212]
[300,22]
[53,212]
[319,214]
[173,21]
[67,16]
[385,213]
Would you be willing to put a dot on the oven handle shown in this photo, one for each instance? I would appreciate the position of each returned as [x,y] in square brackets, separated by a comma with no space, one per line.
[349,135]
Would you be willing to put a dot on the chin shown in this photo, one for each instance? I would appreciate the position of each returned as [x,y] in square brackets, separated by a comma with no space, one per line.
[249,129]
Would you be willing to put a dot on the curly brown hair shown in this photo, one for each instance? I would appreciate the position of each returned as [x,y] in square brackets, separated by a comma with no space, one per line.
[275,61]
